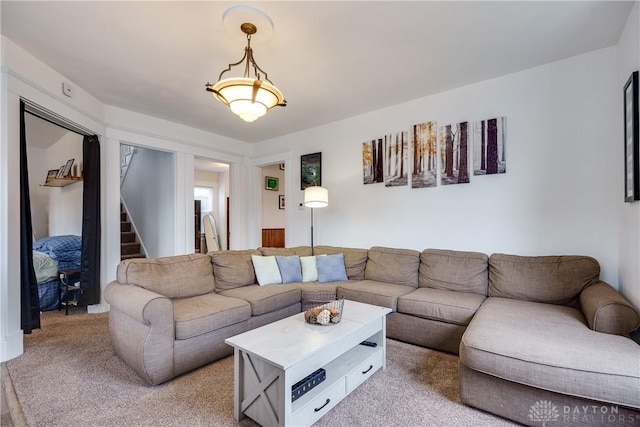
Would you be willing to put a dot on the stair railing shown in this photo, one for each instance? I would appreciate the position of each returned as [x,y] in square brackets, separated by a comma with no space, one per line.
[126,154]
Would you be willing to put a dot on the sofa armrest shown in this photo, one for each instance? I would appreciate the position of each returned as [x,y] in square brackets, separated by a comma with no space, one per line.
[142,330]
[607,311]
[134,301]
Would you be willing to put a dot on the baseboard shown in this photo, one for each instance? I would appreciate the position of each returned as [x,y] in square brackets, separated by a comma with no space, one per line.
[97,308]
[11,346]
[9,393]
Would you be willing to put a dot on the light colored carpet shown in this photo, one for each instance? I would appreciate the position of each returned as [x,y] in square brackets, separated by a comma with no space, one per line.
[70,376]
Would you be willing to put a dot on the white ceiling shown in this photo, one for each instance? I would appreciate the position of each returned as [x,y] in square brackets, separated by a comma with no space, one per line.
[331,59]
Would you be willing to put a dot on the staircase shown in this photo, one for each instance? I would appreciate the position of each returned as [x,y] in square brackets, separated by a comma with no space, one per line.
[129,244]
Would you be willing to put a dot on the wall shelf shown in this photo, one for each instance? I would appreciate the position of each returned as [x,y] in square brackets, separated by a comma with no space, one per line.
[62,181]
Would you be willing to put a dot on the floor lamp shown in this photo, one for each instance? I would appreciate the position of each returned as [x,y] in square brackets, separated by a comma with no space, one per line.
[315,197]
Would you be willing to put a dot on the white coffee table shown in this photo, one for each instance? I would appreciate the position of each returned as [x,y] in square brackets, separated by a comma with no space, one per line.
[270,359]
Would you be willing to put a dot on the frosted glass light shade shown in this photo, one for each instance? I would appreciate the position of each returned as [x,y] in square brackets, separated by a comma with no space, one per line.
[238,93]
[316,197]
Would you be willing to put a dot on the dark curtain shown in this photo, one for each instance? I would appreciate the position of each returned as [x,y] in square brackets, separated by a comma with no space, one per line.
[90,258]
[29,297]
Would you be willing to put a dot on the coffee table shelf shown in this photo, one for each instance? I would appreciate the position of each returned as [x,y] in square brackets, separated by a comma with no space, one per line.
[270,359]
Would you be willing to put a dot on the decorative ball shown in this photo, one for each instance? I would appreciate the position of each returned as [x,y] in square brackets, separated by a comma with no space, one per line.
[324,317]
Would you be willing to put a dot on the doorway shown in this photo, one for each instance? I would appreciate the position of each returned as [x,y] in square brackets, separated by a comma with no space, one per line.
[211,205]
[60,213]
[273,206]
[147,202]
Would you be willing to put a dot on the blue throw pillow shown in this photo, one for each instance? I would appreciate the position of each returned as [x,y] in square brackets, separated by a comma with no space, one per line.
[290,268]
[331,268]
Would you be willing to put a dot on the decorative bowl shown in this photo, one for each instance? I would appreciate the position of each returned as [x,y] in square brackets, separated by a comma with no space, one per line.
[325,314]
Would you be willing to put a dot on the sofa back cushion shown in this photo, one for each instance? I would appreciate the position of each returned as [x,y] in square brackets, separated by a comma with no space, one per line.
[547,279]
[174,277]
[397,266]
[233,269]
[297,250]
[355,260]
[454,271]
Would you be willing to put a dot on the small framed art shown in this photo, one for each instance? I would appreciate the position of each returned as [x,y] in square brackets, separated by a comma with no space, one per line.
[281,201]
[631,154]
[51,175]
[271,183]
[310,170]
[67,167]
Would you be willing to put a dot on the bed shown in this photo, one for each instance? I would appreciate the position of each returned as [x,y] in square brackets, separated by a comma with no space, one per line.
[51,255]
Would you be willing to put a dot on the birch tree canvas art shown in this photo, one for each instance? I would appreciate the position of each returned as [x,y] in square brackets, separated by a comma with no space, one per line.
[489,146]
[372,158]
[454,154]
[424,137]
[397,158]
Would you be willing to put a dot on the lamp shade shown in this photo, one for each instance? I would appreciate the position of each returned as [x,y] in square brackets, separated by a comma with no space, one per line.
[248,98]
[316,197]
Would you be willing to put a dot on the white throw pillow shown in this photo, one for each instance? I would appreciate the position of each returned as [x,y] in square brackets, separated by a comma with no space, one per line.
[267,270]
[309,268]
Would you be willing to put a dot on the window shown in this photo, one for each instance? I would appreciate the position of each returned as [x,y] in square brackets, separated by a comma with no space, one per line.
[207,200]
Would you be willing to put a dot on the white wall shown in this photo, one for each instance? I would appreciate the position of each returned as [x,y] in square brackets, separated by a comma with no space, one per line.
[39,195]
[560,194]
[65,203]
[272,215]
[629,232]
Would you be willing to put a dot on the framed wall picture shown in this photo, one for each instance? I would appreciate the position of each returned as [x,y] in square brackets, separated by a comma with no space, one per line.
[631,155]
[271,183]
[51,175]
[67,167]
[310,170]
[281,201]
[60,173]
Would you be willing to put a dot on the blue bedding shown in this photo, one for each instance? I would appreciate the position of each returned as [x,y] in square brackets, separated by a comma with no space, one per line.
[63,250]
[48,292]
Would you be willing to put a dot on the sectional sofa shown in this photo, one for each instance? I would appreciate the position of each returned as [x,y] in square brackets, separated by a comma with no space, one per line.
[538,337]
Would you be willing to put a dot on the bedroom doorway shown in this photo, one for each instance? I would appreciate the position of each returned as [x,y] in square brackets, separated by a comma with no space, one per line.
[60,190]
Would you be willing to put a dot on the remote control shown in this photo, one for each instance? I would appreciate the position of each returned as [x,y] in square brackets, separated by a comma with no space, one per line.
[369,344]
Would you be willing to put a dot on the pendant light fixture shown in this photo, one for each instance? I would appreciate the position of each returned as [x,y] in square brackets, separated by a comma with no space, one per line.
[250,97]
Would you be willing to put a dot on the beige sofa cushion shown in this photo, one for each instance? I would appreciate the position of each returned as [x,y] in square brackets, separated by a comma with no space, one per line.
[265,299]
[174,277]
[548,279]
[355,260]
[446,306]
[551,347]
[373,292]
[205,313]
[398,266]
[233,269]
[454,270]
[607,311]
[298,250]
